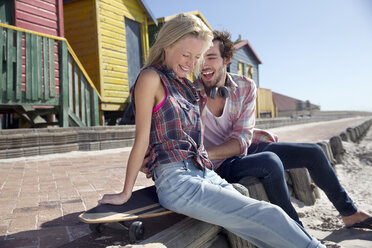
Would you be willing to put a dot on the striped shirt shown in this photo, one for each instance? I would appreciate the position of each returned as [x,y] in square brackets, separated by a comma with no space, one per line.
[241,107]
[176,133]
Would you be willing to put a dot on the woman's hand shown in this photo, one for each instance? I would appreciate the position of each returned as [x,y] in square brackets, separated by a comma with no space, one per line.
[115,199]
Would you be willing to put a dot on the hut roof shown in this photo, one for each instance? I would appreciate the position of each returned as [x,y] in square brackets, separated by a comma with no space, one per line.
[196,13]
[242,43]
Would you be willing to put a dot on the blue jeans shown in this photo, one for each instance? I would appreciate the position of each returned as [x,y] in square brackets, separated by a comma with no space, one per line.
[267,161]
[204,195]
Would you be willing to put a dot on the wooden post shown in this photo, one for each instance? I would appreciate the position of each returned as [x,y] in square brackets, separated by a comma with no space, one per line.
[188,233]
[251,187]
[302,186]
[337,148]
[327,150]
[255,188]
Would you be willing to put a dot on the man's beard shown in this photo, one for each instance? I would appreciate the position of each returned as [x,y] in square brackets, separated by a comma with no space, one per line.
[216,81]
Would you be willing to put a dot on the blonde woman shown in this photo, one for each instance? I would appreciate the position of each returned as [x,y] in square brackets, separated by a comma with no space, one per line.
[168,119]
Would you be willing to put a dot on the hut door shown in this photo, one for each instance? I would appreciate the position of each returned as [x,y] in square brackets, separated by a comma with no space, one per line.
[134,49]
[6,12]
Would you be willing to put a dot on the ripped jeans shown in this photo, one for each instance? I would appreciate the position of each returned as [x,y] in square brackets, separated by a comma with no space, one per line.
[203,195]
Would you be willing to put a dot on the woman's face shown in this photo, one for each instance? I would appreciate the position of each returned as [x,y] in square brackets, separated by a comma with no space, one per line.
[182,56]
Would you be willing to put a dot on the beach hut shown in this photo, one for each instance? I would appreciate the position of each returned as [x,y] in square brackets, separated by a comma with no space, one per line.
[110,38]
[246,62]
[36,64]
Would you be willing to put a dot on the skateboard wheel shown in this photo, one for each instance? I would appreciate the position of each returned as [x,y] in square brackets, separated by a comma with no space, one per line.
[136,231]
[96,227]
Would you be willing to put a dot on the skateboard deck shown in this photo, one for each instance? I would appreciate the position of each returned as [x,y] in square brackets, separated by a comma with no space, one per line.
[144,203]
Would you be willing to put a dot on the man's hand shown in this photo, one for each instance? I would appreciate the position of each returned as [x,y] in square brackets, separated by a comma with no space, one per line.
[146,160]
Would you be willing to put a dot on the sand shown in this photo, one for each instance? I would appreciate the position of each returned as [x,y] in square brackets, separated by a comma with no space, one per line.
[355,174]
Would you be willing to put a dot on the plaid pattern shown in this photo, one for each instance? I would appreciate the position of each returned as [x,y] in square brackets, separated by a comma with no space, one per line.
[242,105]
[176,127]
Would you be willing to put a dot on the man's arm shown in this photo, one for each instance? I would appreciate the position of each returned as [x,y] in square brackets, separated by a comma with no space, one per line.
[244,114]
[226,150]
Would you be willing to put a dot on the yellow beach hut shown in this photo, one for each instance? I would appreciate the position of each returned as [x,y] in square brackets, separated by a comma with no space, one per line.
[110,37]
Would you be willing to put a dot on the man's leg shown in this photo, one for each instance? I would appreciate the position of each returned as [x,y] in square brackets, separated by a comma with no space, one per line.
[313,158]
[269,169]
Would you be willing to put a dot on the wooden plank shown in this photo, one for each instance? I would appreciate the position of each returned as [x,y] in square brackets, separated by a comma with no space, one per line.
[39,29]
[39,68]
[52,79]
[76,90]
[122,9]
[46,11]
[34,87]
[113,34]
[63,113]
[40,4]
[88,103]
[9,65]
[38,20]
[95,109]
[46,80]
[112,106]
[2,80]
[70,84]
[83,102]
[75,119]
[28,73]
[18,90]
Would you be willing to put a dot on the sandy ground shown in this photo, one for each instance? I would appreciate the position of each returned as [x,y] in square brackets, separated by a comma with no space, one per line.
[355,174]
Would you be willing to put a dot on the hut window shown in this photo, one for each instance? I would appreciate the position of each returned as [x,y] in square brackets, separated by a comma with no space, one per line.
[249,71]
[240,68]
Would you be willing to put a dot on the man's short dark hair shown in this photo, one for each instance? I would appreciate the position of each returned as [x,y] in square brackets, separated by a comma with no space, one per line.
[227,48]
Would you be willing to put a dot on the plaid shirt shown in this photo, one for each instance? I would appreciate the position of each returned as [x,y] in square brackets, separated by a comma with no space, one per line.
[242,105]
[176,133]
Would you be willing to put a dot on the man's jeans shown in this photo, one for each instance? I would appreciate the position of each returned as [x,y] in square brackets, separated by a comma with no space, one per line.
[267,161]
[203,195]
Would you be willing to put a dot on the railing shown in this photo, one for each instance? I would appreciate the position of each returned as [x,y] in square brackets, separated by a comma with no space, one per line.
[42,70]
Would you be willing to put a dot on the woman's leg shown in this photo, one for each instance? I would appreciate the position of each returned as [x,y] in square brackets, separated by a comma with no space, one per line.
[268,168]
[312,157]
[205,196]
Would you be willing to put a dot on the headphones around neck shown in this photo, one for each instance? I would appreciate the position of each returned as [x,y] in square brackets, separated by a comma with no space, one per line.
[223,91]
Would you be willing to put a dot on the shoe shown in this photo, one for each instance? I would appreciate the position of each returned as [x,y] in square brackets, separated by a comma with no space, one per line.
[367,223]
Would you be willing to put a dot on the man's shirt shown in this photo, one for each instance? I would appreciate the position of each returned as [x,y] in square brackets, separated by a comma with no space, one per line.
[238,117]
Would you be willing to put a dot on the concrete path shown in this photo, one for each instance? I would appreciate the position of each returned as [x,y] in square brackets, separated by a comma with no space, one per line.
[41,197]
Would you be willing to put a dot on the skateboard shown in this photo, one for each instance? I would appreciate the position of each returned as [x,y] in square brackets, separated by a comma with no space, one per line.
[144,203]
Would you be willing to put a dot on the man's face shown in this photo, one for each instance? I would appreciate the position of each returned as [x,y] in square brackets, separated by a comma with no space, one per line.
[214,67]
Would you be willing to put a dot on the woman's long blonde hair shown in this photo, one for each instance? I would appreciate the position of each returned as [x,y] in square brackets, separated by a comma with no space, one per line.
[181,26]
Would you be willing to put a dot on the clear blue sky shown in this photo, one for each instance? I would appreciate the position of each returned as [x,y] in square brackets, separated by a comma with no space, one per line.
[317,50]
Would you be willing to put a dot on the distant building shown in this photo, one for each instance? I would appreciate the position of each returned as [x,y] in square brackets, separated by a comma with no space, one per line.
[288,106]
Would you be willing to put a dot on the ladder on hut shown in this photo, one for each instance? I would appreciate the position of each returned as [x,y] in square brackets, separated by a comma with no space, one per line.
[40,75]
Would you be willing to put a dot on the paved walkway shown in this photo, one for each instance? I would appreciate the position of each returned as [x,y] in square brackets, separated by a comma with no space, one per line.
[41,197]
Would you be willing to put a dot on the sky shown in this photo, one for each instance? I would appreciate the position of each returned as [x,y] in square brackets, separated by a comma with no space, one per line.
[316,50]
